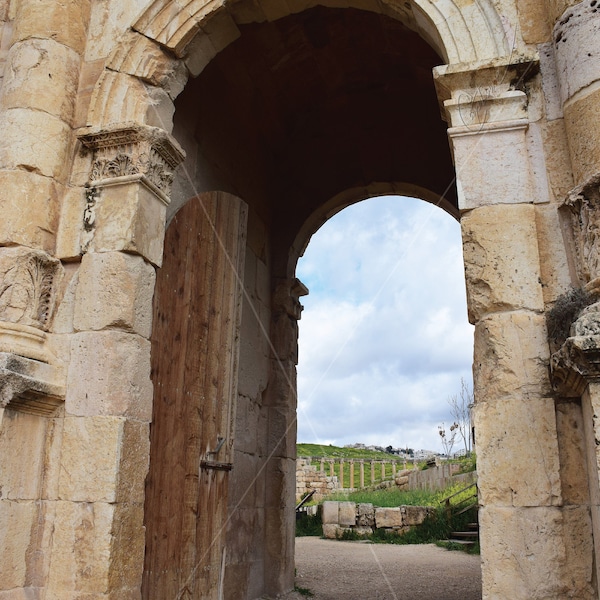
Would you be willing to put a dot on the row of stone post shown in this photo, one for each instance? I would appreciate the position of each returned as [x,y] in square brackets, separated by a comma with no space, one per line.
[361,464]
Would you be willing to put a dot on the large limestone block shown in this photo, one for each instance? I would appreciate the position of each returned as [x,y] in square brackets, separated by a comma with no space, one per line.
[34,141]
[530,545]
[81,550]
[243,528]
[281,483]
[16,529]
[254,340]
[281,432]
[582,120]
[365,515]
[122,98]
[115,292]
[576,48]
[492,166]
[330,513]
[388,517]
[533,17]
[30,209]
[142,57]
[127,217]
[103,459]
[415,515]
[501,259]
[246,482]
[250,426]
[517,452]
[109,374]
[511,356]
[43,75]
[571,444]
[279,550]
[23,435]
[347,514]
[558,159]
[128,542]
[65,22]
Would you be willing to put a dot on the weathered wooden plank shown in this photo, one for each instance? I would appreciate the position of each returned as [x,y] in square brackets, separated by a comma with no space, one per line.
[197,308]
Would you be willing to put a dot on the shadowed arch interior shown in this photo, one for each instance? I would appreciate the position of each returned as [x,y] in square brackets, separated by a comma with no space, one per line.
[300,109]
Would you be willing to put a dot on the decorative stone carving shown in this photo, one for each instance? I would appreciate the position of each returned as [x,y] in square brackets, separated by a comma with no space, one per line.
[133,150]
[578,360]
[583,204]
[287,296]
[27,282]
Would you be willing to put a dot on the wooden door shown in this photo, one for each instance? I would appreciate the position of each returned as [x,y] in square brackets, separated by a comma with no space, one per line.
[197,307]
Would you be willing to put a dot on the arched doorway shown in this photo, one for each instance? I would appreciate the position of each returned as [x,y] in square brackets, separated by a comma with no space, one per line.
[295,115]
[232,121]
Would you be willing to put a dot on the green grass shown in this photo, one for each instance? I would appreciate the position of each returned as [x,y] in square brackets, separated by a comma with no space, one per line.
[307,525]
[303,591]
[317,450]
[395,497]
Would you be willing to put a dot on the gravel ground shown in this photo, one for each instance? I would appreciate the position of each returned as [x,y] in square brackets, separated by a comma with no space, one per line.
[336,570]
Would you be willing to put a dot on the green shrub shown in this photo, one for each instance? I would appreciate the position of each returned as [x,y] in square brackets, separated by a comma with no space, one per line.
[307,525]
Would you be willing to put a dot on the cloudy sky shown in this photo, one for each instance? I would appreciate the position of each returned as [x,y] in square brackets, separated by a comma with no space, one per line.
[384,336]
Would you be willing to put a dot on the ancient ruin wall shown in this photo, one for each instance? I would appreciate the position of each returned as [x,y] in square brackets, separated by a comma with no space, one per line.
[87,171]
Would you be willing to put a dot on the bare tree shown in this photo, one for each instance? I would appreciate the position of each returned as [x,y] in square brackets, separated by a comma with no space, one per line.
[448,438]
[460,409]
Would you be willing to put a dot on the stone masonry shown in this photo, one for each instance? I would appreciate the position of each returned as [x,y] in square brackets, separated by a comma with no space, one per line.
[164,164]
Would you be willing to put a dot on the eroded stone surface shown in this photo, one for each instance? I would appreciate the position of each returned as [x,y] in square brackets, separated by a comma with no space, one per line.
[501,263]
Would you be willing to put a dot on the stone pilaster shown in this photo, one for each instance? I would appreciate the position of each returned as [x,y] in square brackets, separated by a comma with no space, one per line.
[281,401]
[490,116]
[575,369]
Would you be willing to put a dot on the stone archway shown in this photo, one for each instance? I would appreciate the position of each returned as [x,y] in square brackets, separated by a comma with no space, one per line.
[216,45]
[515,161]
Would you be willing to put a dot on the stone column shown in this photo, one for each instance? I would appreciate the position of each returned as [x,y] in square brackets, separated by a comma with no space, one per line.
[383,470]
[351,473]
[341,473]
[576,49]
[322,465]
[280,402]
[372,472]
[41,74]
[524,543]
[331,469]
[362,473]
[98,544]
[36,114]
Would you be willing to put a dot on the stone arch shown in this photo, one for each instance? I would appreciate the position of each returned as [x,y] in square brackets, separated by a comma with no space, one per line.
[170,41]
[352,196]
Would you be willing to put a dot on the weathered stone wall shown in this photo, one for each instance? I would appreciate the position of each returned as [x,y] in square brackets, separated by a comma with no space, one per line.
[364,518]
[109,125]
[310,477]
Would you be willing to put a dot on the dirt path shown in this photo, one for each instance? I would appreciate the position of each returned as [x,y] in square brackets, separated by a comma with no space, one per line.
[335,570]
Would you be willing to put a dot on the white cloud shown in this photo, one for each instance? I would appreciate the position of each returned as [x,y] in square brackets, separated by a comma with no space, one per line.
[384,338]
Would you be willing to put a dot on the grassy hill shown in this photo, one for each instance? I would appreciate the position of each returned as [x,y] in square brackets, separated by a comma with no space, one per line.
[317,450]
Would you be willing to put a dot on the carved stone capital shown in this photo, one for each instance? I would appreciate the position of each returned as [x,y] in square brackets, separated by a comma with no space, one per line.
[582,206]
[578,361]
[483,95]
[133,151]
[28,280]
